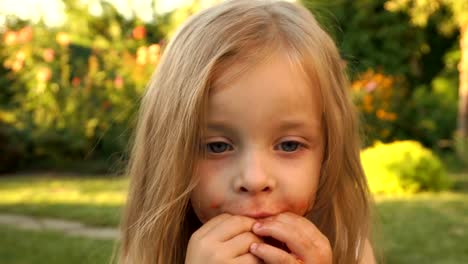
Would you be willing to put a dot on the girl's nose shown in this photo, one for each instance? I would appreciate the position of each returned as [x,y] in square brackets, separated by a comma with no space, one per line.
[254,176]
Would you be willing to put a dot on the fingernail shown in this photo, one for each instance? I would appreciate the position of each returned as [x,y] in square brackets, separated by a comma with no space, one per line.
[253,247]
[257,225]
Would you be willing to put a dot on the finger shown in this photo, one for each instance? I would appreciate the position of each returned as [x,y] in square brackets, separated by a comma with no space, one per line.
[247,259]
[286,233]
[303,231]
[231,227]
[309,231]
[240,244]
[290,218]
[272,255]
[208,226]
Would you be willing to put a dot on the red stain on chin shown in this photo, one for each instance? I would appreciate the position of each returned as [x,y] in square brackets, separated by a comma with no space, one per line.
[214,205]
[301,207]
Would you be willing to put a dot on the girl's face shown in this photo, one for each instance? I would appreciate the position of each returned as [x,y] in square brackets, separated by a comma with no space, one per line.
[264,144]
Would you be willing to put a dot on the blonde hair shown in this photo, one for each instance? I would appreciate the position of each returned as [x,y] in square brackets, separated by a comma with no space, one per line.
[158,221]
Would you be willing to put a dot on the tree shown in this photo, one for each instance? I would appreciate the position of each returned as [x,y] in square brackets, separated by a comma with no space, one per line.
[420,11]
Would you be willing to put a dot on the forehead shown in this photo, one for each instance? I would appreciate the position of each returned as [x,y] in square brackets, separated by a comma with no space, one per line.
[275,88]
[271,96]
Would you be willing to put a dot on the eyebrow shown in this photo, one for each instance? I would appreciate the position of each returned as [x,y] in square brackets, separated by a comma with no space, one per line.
[294,124]
[221,127]
[284,125]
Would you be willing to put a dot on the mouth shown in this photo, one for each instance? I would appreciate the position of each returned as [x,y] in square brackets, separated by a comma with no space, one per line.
[259,215]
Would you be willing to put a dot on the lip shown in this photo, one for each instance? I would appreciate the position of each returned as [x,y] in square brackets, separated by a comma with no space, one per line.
[259,215]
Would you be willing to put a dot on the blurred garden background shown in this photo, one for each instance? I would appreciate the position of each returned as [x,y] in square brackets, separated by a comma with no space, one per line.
[72,74]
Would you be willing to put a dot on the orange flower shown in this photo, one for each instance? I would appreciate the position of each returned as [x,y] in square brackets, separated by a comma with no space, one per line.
[25,34]
[10,38]
[118,82]
[44,74]
[17,65]
[384,115]
[63,38]
[76,81]
[368,103]
[380,114]
[48,55]
[391,116]
[139,32]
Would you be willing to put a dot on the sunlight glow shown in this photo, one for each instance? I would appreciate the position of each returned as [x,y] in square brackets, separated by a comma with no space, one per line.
[52,11]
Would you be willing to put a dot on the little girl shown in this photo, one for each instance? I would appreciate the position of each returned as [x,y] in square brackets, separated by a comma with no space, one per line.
[247,148]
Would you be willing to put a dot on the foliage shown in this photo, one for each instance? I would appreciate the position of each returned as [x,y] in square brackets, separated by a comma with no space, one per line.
[370,37]
[403,167]
[11,146]
[70,93]
[377,97]
[397,68]
[171,21]
[420,11]
[75,93]
[431,113]
[390,111]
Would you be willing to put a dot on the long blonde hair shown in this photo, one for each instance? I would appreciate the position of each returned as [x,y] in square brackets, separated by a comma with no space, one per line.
[158,221]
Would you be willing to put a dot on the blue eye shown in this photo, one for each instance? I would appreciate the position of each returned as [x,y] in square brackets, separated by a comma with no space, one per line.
[217,147]
[290,146]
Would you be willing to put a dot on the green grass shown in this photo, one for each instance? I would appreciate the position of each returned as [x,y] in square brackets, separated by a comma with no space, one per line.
[425,228]
[421,228]
[94,200]
[51,248]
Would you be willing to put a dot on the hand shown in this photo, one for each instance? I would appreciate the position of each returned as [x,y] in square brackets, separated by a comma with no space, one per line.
[223,239]
[305,241]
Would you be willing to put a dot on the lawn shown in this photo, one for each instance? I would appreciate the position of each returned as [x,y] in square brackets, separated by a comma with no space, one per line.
[425,228]
[33,247]
[94,200]
[422,228]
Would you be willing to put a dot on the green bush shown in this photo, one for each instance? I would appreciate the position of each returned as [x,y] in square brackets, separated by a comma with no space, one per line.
[430,114]
[12,147]
[73,90]
[403,167]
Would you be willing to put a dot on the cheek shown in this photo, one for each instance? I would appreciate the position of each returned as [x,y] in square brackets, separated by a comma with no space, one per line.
[214,204]
[206,201]
[200,208]
[208,210]
[302,192]
[301,206]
